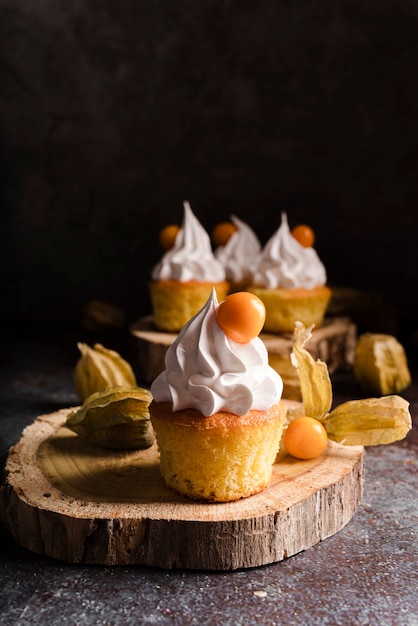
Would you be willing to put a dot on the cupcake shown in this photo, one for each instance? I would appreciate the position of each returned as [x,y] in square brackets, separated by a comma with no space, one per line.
[217,410]
[183,279]
[239,255]
[291,281]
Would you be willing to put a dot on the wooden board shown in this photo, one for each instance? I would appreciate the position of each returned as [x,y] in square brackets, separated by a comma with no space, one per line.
[65,498]
[334,342]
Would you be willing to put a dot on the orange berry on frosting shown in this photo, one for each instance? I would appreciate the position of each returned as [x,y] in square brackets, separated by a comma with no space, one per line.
[304,235]
[168,235]
[241,316]
[223,232]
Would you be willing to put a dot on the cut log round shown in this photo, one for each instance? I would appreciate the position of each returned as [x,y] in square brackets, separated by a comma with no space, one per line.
[66,498]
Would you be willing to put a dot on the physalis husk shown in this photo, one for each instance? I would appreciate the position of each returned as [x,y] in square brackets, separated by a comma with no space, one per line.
[369,422]
[313,375]
[366,422]
[98,368]
[116,418]
[380,364]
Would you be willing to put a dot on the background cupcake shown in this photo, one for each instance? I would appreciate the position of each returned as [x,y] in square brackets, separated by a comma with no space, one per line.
[184,278]
[291,281]
[239,255]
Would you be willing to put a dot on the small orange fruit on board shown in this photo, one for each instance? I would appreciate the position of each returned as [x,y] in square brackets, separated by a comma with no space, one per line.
[168,235]
[223,232]
[304,235]
[241,316]
[305,438]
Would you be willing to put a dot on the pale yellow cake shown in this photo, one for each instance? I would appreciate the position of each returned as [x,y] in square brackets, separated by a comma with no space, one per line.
[220,458]
[174,303]
[286,306]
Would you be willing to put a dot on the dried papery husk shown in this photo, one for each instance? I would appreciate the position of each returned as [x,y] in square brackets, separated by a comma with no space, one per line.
[365,422]
[99,316]
[370,421]
[99,368]
[117,418]
[315,383]
[380,364]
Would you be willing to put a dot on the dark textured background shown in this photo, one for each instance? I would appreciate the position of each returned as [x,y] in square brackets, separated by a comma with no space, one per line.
[112,113]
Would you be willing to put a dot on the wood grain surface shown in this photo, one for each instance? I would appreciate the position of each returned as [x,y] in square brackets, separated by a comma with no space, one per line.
[66,498]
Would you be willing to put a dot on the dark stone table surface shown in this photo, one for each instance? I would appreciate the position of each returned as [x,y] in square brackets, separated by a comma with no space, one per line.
[365,574]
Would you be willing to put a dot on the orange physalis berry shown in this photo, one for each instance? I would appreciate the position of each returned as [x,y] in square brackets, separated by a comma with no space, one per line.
[223,232]
[168,236]
[305,438]
[241,316]
[304,235]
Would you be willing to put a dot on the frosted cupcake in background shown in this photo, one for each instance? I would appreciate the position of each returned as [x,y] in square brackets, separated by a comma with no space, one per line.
[217,410]
[291,280]
[183,279]
[239,255]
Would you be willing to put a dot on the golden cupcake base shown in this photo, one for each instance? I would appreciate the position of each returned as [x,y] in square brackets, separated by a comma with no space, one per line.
[220,458]
[286,306]
[174,303]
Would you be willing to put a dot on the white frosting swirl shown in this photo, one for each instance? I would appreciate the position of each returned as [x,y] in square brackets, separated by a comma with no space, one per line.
[240,253]
[191,257]
[285,263]
[207,371]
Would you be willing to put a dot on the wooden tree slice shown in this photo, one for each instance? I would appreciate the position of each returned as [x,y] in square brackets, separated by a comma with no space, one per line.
[334,343]
[66,498]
